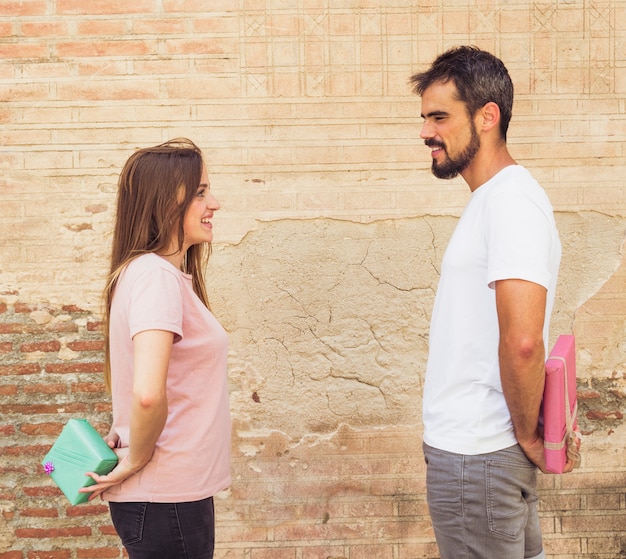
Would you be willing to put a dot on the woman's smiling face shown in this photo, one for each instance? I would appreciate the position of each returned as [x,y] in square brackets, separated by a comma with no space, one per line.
[197,224]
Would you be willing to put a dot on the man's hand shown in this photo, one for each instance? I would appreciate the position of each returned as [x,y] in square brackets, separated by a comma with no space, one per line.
[533,449]
[573,452]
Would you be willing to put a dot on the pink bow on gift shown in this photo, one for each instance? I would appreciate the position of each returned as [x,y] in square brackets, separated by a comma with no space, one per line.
[48,467]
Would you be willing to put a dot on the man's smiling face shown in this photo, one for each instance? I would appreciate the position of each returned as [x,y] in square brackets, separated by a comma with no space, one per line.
[448,130]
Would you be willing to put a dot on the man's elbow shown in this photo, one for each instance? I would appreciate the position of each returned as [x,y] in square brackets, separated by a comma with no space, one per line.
[524,349]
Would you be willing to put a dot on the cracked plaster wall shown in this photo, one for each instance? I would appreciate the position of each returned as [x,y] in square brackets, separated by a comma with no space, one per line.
[328,319]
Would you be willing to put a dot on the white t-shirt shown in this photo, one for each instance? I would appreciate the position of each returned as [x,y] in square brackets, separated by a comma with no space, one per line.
[191,459]
[506,231]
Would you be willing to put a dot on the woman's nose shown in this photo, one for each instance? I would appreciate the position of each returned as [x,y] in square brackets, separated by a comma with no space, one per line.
[213,203]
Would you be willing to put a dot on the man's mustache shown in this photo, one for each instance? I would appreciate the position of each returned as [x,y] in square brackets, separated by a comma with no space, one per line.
[434,144]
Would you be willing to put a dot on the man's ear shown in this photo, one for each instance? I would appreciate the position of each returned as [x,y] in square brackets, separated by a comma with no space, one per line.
[489,116]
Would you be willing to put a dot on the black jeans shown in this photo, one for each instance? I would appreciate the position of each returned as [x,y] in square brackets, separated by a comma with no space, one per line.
[166,530]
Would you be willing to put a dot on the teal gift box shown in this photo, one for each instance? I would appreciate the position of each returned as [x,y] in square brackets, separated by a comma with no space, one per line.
[78,450]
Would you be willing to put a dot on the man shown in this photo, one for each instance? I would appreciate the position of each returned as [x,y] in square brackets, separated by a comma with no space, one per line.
[490,322]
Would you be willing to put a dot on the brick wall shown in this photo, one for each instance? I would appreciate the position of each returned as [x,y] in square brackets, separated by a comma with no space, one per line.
[328,245]
[356,493]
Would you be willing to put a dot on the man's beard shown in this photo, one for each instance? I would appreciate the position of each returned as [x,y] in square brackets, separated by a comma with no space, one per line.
[450,168]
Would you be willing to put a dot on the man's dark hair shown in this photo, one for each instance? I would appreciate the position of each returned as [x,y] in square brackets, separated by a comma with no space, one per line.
[479,78]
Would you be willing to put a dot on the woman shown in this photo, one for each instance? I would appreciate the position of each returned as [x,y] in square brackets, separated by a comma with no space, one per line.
[165,360]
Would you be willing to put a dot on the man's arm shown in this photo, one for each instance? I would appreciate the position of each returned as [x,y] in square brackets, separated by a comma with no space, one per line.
[521,314]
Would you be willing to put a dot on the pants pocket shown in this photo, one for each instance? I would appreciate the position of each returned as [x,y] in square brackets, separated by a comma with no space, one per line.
[444,477]
[128,520]
[510,488]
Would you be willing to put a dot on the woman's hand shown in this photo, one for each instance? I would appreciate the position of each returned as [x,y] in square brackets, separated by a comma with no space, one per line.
[112,439]
[117,475]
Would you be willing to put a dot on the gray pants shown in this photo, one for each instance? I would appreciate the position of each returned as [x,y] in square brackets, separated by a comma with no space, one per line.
[484,506]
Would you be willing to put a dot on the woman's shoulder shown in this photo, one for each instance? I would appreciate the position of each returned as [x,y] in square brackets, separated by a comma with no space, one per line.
[150,261]
[150,265]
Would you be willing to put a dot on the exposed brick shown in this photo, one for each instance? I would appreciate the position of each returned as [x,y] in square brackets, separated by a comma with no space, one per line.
[40,409]
[107,531]
[41,533]
[8,390]
[41,346]
[97,553]
[20,307]
[41,513]
[20,369]
[603,415]
[47,388]
[102,407]
[63,554]
[25,450]
[588,395]
[63,368]
[10,328]
[34,429]
[89,388]
[7,430]
[88,345]
[17,328]
[41,491]
[74,309]
[87,510]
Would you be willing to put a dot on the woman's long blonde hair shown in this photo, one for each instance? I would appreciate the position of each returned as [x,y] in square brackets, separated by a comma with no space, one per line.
[149,214]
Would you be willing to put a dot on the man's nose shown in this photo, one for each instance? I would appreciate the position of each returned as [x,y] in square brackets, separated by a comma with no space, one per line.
[426,131]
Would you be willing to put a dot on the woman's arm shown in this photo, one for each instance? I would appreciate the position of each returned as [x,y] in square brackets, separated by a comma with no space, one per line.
[152,349]
[149,406]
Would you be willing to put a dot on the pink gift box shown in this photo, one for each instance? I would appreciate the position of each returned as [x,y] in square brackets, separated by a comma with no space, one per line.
[559,402]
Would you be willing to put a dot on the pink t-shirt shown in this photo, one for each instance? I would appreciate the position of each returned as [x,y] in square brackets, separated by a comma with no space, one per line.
[191,459]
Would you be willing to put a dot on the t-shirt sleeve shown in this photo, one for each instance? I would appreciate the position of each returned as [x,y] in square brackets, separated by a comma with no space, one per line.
[519,240]
[156,303]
